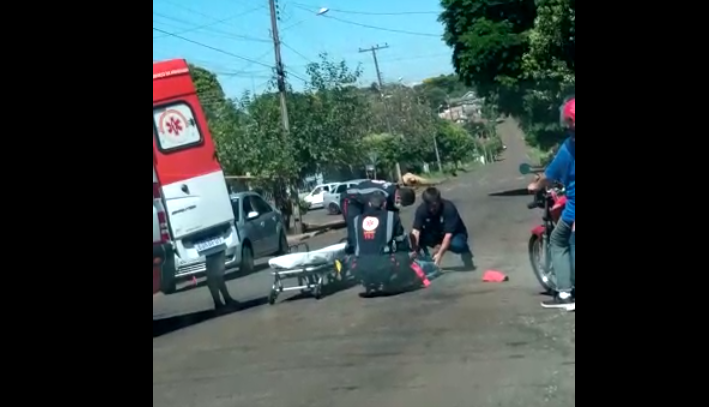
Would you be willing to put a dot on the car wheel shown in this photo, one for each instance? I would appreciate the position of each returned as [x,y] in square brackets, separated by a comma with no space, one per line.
[247,260]
[283,244]
[333,209]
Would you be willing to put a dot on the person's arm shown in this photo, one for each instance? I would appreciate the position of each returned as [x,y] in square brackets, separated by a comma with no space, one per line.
[451,217]
[554,172]
[351,236]
[419,218]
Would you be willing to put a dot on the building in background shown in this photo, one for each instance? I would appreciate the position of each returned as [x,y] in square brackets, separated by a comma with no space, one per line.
[463,109]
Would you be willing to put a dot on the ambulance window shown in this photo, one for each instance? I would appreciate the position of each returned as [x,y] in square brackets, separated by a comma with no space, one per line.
[175,126]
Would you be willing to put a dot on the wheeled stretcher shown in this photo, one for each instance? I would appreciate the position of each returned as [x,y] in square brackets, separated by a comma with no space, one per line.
[313,269]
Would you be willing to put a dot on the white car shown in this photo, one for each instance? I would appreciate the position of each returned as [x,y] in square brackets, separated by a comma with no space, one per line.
[315,198]
[331,200]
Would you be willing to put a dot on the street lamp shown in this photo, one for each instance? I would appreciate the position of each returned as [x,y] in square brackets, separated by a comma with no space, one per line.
[322,11]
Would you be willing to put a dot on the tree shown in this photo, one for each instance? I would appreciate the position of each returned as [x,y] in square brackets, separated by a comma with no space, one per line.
[223,118]
[455,144]
[437,91]
[521,52]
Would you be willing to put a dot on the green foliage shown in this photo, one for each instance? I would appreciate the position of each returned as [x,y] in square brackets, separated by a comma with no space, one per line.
[439,90]
[455,144]
[521,53]
[333,124]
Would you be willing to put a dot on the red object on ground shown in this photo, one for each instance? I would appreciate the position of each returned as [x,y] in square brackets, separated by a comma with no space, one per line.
[494,276]
[419,272]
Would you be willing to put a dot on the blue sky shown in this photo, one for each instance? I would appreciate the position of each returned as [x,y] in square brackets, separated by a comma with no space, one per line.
[241,28]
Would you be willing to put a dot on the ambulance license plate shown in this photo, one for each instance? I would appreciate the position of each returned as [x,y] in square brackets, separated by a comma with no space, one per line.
[208,244]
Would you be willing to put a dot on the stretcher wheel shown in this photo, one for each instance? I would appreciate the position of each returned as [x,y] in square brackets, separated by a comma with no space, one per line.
[317,292]
[272,297]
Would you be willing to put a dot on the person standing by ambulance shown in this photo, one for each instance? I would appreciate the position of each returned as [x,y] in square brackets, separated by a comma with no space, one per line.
[216,265]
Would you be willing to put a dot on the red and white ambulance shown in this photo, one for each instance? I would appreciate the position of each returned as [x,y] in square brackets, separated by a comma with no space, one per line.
[198,215]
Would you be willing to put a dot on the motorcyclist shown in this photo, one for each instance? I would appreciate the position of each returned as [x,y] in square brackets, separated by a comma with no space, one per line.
[563,240]
[380,247]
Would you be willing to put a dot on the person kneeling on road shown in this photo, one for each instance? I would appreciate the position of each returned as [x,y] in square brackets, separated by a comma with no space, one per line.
[380,248]
[438,223]
[563,240]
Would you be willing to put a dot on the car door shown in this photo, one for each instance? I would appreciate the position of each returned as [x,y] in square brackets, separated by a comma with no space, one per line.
[268,220]
[318,199]
[252,227]
[338,193]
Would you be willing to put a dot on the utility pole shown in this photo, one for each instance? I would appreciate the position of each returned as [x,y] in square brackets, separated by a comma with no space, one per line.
[374,50]
[281,80]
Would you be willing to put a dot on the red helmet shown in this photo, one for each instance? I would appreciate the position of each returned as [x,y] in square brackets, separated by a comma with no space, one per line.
[568,114]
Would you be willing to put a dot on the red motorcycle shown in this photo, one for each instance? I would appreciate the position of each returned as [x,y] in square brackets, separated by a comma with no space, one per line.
[552,201]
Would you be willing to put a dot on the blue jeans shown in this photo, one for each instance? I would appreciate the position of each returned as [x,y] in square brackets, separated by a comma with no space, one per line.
[459,242]
[563,255]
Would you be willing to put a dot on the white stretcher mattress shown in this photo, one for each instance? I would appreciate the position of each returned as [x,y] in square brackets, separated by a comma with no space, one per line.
[326,255]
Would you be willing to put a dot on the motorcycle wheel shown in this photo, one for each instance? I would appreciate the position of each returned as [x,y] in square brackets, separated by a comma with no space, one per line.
[538,255]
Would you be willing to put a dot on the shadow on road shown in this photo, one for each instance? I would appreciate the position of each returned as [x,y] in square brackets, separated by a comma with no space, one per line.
[512,192]
[167,325]
[230,275]
[328,290]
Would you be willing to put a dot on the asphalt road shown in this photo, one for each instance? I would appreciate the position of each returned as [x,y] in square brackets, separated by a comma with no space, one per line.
[459,343]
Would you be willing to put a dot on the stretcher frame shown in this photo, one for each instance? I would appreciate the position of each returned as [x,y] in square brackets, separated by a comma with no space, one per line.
[311,278]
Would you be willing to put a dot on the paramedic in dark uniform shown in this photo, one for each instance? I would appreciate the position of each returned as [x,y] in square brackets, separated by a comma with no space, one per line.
[352,201]
[380,245]
[355,199]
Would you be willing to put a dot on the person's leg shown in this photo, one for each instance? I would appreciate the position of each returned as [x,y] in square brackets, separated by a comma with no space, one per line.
[459,245]
[215,264]
[561,260]
[572,242]
[428,240]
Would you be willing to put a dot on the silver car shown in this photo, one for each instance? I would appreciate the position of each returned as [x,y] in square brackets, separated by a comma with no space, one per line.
[331,200]
[260,232]
[260,227]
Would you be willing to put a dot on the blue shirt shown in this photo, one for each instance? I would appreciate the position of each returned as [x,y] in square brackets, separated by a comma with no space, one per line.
[563,169]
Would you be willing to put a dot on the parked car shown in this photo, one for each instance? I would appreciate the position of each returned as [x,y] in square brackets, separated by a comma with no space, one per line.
[315,197]
[331,200]
[261,229]
[260,233]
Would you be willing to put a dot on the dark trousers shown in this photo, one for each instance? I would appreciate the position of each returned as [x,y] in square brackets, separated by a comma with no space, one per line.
[216,264]
[459,242]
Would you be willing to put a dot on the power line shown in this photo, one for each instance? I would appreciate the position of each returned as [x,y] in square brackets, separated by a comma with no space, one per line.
[212,29]
[373,27]
[203,14]
[215,49]
[296,52]
[370,13]
[216,21]
[247,66]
